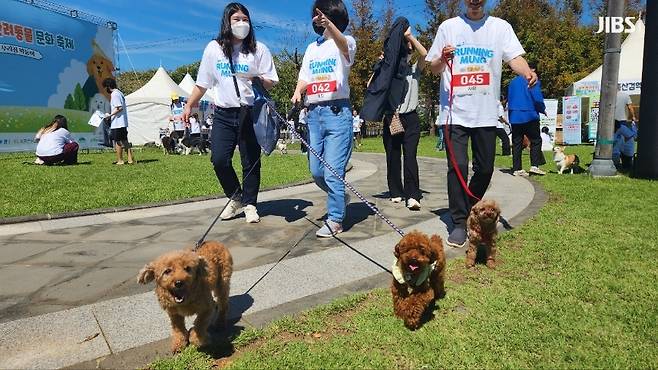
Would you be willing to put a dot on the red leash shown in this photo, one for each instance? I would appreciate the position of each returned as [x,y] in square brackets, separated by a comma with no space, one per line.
[451,154]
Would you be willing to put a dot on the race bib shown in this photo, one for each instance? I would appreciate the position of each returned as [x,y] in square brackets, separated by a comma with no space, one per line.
[471,72]
[321,87]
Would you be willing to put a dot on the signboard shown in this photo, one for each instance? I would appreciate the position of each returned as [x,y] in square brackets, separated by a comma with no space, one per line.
[550,119]
[571,120]
[630,87]
[57,64]
[586,88]
[593,116]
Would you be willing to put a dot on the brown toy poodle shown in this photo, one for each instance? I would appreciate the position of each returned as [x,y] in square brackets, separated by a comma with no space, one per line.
[418,276]
[481,227]
[185,283]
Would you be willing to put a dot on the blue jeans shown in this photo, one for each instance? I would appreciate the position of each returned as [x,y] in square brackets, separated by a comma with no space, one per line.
[330,134]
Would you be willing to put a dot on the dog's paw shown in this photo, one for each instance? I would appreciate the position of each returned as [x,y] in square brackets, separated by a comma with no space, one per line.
[491,264]
[197,338]
[178,344]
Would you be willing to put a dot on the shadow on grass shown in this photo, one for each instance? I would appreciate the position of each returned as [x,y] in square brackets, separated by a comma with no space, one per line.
[221,338]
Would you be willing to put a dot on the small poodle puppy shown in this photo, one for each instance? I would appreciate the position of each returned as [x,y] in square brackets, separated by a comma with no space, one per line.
[481,226]
[185,284]
[418,276]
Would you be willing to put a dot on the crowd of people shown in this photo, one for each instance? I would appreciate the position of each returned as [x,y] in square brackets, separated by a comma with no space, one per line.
[468,52]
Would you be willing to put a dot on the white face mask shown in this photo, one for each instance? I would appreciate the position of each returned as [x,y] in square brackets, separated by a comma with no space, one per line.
[240,29]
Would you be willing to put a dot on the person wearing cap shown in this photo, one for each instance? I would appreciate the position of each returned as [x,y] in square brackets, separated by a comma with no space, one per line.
[230,65]
[176,118]
[324,77]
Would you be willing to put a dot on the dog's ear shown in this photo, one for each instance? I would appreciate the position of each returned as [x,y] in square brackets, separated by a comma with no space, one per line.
[396,251]
[202,267]
[146,274]
[435,244]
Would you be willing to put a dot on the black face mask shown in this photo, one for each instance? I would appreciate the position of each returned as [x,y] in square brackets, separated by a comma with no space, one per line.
[318,29]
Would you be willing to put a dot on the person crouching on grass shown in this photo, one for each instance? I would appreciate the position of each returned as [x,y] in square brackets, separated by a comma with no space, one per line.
[119,121]
[229,64]
[324,78]
[55,143]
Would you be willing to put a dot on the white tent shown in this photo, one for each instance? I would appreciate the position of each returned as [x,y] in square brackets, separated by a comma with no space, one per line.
[630,64]
[188,84]
[149,107]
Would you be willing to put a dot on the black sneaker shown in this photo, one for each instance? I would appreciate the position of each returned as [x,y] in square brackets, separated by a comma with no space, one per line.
[457,238]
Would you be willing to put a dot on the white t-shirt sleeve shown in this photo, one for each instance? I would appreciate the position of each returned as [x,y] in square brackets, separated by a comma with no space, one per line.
[351,51]
[511,46]
[206,77]
[115,100]
[628,100]
[437,46]
[265,64]
[304,71]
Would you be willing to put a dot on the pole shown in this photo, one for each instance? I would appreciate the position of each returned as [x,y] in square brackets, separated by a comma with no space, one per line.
[602,165]
[646,165]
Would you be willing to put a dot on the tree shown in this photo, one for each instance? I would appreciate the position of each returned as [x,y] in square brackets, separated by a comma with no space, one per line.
[387,19]
[79,99]
[68,103]
[364,29]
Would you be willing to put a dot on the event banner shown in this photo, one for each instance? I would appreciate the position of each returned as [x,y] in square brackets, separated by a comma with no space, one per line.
[58,63]
[586,88]
[571,121]
[594,101]
[550,119]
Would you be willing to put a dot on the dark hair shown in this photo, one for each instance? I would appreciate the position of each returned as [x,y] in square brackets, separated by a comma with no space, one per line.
[60,121]
[110,82]
[335,10]
[225,37]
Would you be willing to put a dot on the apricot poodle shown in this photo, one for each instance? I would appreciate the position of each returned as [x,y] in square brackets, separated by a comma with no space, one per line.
[185,284]
[481,227]
[418,276]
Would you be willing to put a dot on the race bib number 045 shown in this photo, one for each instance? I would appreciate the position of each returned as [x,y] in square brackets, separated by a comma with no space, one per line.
[321,87]
[471,83]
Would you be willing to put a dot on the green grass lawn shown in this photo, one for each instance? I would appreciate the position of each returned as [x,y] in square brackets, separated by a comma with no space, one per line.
[97,183]
[575,288]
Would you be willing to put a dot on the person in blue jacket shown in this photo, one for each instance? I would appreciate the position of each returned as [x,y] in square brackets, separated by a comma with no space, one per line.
[623,149]
[524,105]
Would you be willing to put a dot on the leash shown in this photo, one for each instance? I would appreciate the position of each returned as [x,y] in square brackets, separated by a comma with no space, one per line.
[363,199]
[451,153]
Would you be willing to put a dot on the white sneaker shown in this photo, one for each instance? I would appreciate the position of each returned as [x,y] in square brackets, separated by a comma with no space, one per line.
[396,200]
[520,173]
[536,171]
[233,208]
[329,229]
[413,204]
[250,214]
[38,161]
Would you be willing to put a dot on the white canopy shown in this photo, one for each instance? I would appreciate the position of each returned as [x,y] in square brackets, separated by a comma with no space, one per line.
[149,107]
[630,63]
[188,85]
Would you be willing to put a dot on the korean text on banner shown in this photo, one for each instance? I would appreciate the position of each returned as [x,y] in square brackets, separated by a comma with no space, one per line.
[550,119]
[571,121]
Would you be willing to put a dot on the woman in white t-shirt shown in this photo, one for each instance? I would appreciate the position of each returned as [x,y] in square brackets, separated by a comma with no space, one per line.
[177,107]
[324,78]
[356,127]
[56,144]
[229,64]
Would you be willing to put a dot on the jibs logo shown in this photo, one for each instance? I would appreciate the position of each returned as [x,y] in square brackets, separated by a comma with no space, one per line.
[616,25]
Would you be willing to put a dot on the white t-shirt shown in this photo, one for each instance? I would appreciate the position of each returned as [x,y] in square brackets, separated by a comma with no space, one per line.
[326,71]
[623,100]
[481,47]
[546,145]
[356,123]
[502,113]
[215,71]
[177,116]
[53,143]
[118,100]
[195,127]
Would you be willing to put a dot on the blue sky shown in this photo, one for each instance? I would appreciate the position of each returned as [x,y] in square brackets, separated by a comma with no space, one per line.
[280,23]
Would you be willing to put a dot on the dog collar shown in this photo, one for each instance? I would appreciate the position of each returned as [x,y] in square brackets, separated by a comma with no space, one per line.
[405,278]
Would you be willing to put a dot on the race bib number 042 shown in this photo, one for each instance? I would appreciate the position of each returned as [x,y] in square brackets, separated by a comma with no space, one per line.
[471,83]
[321,87]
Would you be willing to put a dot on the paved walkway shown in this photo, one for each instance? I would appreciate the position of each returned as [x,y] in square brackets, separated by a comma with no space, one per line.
[69,292]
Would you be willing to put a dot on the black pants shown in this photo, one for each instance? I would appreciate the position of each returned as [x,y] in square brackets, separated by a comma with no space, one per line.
[232,127]
[403,144]
[483,146]
[504,139]
[531,130]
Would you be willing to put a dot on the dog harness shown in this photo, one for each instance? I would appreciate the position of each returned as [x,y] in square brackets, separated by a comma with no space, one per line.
[406,278]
